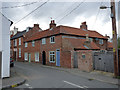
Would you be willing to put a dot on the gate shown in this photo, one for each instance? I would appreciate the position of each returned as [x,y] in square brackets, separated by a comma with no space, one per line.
[103,61]
[75,62]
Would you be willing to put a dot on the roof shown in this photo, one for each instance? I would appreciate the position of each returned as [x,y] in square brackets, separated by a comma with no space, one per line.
[110,45]
[66,30]
[81,44]
[19,34]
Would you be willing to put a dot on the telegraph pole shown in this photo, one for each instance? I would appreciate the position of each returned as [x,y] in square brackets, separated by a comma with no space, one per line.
[114,34]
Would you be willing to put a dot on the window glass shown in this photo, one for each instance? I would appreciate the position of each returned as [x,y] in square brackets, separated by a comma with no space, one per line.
[52,39]
[43,41]
[52,56]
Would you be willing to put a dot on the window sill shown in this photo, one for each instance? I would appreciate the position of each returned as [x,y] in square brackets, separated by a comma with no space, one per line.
[52,61]
[52,42]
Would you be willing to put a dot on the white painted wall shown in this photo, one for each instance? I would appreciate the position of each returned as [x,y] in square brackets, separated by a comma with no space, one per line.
[5,45]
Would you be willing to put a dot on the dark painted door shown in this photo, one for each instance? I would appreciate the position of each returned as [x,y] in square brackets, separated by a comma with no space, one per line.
[44,58]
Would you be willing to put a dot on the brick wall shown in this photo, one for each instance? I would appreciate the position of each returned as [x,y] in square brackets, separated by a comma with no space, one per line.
[65,59]
[50,47]
[84,64]
[17,50]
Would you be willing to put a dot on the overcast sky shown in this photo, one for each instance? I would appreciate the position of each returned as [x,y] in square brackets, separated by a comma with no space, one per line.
[98,20]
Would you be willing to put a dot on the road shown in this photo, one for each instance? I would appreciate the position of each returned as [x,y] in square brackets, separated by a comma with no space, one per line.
[39,76]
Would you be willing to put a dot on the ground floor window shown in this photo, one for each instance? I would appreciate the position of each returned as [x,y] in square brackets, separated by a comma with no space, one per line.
[26,56]
[19,52]
[37,56]
[52,56]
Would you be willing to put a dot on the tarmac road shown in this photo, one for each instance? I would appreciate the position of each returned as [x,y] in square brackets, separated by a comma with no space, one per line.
[44,77]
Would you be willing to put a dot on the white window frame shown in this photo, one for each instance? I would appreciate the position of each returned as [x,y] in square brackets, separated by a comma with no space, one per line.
[26,44]
[33,43]
[37,57]
[19,41]
[26,56]
[83,55]
[15,42]
[100,41]
[51,39]
[19,52]
[44,41]
[53,61]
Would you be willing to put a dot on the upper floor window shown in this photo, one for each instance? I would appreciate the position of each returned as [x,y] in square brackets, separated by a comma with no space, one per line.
[26,44]
[19,41]
[100,41]
[33,43]
[52,39]
[15,42]
[43,41]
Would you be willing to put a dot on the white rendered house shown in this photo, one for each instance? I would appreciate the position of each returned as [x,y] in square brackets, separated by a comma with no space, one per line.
[5,24]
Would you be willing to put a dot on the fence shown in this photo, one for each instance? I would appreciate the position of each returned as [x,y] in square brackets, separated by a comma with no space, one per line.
[103,61]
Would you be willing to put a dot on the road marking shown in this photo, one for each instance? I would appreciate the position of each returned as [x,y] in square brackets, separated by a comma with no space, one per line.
[30,87]
[27,84]
[73,84]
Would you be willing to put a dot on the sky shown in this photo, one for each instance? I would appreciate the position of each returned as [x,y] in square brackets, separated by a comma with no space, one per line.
[69,13]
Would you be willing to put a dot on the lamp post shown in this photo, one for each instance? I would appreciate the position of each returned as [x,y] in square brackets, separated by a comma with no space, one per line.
[114,34]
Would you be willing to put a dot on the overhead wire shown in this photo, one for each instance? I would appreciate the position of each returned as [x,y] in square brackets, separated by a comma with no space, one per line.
[71,11]
[64,11]
[31,12]
[97,15]
[18,6]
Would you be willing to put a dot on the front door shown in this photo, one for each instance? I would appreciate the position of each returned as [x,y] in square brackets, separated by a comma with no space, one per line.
[15,55]
[29,57]
[57,57]
[44,58]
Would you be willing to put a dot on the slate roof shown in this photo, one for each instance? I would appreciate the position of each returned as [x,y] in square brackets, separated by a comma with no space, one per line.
[19,34]
[65,30]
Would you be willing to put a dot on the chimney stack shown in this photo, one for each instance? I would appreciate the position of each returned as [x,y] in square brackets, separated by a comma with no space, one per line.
[36,25]
[52,24]
[15,30]
[83,26]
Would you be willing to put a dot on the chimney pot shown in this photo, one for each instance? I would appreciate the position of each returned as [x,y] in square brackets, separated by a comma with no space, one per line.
[52,24]
[83,26]
[36,25]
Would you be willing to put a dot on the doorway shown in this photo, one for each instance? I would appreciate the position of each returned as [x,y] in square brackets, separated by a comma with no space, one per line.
[57,57]
[29,57]
[44,58]
[15,55]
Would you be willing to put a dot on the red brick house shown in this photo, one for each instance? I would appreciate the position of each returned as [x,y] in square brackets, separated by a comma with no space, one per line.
[17,47]
[17,41]
[54,46]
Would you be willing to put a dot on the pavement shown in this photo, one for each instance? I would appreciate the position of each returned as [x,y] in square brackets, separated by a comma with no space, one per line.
[94,75]
[13,81]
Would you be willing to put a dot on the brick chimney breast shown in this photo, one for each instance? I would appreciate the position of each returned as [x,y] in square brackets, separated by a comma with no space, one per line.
[52,24]
[83,26]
